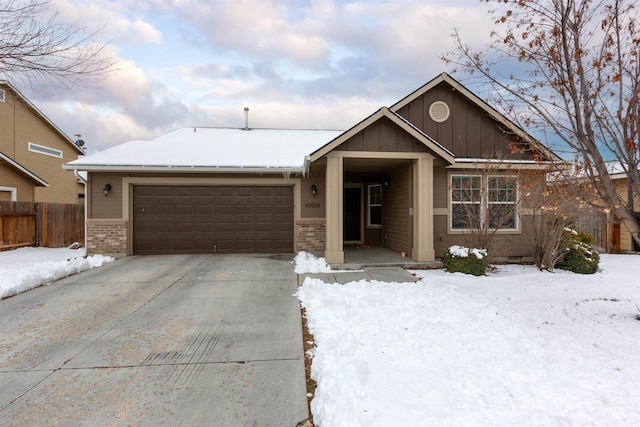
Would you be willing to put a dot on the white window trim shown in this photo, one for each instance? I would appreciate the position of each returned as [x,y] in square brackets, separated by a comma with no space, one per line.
[369,205]
[43,149]
[484,203]
[13,191]
[515,203]
[452,203]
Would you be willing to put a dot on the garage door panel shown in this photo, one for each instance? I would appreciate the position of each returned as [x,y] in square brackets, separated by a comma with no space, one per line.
[177,219]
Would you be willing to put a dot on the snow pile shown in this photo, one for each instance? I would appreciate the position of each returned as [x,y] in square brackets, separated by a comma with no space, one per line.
[517,347]
[462,252]
[308,263]
[27,268]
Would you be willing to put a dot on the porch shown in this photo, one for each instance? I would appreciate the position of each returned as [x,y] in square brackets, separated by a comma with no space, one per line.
[358,257]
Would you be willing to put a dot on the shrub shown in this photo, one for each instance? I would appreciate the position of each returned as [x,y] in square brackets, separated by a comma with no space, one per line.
[459,259]
[580,257]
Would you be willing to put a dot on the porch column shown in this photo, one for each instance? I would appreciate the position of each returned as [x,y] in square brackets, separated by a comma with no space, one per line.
[334,251]
[423,248]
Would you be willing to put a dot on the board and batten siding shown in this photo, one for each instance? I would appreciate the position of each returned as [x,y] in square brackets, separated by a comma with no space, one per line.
[395,210]
[469,132]
[382,136]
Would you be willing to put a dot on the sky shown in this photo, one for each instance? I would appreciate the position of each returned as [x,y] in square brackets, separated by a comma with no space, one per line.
[301,64]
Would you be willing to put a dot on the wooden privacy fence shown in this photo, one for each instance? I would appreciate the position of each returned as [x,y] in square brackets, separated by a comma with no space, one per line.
[52,225]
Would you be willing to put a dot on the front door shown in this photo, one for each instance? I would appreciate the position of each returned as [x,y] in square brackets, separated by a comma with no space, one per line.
[352,215]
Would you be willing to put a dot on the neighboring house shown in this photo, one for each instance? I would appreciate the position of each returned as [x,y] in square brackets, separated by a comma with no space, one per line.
[387,181]
[620,239]
[32,152]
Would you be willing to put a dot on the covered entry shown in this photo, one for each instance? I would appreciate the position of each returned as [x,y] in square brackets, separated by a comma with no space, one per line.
[212,219]
[384,150]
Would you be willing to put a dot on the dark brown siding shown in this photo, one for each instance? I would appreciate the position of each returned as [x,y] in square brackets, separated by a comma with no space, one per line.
[101,206]
[513,245]
[469,132]
[383,136]
[224,219]
[396,219]
[440,188]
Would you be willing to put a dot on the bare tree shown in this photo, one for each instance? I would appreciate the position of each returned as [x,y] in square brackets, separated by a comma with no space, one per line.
[581,82]
[554,210]
[37,45]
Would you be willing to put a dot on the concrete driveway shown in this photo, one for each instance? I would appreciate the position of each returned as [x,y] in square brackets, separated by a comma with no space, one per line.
[185,340]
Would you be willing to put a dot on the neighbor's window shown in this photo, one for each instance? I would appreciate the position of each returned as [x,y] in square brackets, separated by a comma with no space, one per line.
[466,196]
[375,205]
[502,195]
[3,97]
[47,151]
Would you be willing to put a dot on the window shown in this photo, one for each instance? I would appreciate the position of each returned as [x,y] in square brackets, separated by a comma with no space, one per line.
[47,151]
[501,201]
[375,205]
[472,206]
[466,192]
[3,97]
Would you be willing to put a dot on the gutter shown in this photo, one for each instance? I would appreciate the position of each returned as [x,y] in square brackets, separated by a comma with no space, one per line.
[159,168]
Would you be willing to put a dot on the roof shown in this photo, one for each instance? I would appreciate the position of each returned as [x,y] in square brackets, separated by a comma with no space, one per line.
[41,115]
[35,178]
[204,149]
[479,102]
[431,143]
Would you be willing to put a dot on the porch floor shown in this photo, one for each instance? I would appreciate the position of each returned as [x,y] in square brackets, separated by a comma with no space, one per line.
[357,257]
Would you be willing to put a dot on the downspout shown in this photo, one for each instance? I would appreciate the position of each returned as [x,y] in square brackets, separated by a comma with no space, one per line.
[305,167]
[86,195]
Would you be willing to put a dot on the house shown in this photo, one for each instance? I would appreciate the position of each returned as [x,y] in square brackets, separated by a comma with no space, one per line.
[386,181]
[32,152]
[620,239]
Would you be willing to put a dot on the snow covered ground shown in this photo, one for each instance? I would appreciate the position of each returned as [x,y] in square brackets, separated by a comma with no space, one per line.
[517,347]
[27,268]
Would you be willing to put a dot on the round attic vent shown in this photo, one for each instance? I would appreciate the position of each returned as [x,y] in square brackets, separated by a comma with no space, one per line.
[439,111]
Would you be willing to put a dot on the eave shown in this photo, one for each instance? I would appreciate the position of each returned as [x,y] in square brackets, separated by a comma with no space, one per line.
[35,178]
[193,169]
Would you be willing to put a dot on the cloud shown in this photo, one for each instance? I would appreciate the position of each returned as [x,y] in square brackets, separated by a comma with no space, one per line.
[113,20]
[315,64]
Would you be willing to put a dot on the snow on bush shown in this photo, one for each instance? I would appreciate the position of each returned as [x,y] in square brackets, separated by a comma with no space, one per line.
[308,263]
[459,259]
[462,252]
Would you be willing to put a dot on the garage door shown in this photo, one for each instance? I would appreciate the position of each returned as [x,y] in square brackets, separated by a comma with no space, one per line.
[225,219]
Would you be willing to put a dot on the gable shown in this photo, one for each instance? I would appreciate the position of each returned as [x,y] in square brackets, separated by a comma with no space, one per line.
[18,111]
[468,131]
[472,129]
[385,131]
[383,136]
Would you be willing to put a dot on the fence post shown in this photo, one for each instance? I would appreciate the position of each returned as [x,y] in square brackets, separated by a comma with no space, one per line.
[44,229]
[37,224]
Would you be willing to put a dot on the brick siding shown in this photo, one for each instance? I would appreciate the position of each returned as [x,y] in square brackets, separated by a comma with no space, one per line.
[106,237]
[310,236]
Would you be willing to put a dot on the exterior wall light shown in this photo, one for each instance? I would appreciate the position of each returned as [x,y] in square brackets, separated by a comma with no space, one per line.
[314,190]
[106,189]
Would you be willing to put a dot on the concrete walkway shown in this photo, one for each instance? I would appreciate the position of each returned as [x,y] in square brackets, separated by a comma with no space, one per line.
[193,340]
[381,274]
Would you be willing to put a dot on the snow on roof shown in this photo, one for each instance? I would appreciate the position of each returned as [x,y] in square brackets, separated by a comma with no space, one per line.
[212,148]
